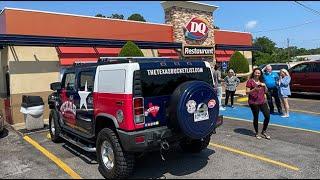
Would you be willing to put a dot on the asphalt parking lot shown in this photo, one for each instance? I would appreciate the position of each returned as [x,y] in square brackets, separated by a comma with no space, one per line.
[233,153]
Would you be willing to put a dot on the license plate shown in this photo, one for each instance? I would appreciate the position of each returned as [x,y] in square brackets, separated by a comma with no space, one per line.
[201,116]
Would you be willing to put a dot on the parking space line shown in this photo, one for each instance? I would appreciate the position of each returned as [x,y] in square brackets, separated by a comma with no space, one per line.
[303,111]
[255,156]
[293,110]
[53,158]
[243,99]
[239,119]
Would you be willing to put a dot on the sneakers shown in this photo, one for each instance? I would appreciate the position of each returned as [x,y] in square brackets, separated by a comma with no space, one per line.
[232,107]
[222,108]
[257,136]
[265,135]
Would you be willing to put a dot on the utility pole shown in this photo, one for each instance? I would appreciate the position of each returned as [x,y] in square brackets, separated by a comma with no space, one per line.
[288,49]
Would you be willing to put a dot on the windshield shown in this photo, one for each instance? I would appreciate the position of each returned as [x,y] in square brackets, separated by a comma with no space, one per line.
[159,84]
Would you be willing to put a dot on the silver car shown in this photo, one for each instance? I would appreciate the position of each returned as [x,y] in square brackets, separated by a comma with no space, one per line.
[276,67]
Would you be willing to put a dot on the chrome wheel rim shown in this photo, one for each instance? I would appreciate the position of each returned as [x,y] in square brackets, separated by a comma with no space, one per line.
[53,129]
[107,155]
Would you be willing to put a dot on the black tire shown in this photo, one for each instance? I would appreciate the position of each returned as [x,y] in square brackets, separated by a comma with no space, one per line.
[53,119]
[124,162]
[194,145]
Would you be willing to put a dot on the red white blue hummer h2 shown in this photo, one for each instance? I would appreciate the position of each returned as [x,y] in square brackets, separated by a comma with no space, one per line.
[119,107]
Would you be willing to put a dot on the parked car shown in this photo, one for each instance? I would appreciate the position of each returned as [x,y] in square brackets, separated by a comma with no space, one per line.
[119,107]
[305,77]
[276,67]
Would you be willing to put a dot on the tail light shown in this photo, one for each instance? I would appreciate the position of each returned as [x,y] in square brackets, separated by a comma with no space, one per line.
[138,110]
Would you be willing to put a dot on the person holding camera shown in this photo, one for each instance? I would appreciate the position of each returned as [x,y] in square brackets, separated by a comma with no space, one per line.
[256,89]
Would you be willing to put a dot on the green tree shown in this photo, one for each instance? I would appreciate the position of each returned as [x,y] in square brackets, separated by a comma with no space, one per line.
[130,49]
[136,17]
[100,15]
[267,52]
[116,16]
[239,63]
[266,44]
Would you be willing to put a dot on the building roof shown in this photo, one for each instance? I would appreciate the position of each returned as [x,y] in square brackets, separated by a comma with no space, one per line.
[31,22]
[15,21]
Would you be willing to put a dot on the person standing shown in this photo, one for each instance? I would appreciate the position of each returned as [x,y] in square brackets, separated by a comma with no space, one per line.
[256,89]
[284,90]
[271,79]
[217,81]
[231,82]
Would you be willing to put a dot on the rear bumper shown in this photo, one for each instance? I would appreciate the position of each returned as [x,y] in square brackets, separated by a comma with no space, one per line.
[152,139]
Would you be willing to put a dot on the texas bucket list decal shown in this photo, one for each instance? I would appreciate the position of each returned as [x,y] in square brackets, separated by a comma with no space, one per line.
[153,109]
[197,29]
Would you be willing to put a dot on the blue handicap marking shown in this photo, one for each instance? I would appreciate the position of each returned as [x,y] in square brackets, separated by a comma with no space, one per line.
[224,65]
[296,120]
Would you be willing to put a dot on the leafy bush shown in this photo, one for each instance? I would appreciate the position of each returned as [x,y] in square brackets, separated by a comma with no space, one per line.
[239,63]
[130,49]
[223,75]
[243,79]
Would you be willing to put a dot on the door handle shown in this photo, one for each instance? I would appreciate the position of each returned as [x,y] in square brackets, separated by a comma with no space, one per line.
[119,103]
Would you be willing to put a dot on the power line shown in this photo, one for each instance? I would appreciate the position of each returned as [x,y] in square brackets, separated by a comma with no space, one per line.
[294,26]
[309,8]
[288,27]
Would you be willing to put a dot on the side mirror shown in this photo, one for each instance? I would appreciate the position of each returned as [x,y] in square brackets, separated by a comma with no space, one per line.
[55,86]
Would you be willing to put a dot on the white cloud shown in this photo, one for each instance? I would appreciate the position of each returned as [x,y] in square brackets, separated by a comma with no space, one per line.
[251,24]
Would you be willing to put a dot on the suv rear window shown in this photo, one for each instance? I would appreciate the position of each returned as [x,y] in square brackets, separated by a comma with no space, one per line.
[160,83]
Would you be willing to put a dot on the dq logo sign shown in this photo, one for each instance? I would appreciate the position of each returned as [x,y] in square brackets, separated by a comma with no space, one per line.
[197,29]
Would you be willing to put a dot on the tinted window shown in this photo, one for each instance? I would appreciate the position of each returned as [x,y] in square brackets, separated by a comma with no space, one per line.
[69,81]
[301,68]
[316,67]
[279,67]
[86,77]
[165,84]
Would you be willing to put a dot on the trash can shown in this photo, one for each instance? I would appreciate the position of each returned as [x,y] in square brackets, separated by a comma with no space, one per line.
[32,107]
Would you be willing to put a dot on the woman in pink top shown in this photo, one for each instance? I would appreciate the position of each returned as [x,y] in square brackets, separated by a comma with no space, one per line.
[256,89]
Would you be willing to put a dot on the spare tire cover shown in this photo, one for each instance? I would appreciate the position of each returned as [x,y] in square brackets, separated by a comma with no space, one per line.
[196,108]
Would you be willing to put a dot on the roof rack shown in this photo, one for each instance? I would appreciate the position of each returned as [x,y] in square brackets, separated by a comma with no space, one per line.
[115,60]
[79,63]
[118,60]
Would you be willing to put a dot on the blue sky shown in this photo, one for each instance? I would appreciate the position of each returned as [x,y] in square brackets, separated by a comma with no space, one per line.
[252,16]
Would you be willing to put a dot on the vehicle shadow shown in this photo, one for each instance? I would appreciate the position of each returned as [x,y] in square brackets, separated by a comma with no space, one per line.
[151,166]
[244,131]
[177,163]
[4,133]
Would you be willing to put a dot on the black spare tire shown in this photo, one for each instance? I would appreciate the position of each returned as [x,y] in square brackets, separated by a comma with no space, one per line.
[193,109]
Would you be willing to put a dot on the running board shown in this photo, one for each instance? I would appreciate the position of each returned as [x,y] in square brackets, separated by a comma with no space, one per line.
[77,143]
